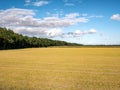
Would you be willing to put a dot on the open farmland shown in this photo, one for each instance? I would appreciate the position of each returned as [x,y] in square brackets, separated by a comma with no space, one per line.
[60,69]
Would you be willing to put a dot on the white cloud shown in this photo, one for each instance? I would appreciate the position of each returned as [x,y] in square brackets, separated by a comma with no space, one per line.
[92,31]
[53,32]
[37,3]
[40,3]
[96,16]
[23,21]
[14,16]
[116,17]
[84,14]
[72,15]
[39,31]
[27,1]
[78,33]
[55,13]
[65,0]
[69,4]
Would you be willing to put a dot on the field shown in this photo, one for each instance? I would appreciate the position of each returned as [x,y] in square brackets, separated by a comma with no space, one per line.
[60,69]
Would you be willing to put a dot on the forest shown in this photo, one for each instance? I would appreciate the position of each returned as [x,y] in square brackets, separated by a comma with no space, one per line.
[12,40]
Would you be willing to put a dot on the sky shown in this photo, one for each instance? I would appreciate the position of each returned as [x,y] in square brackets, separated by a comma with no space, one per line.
[89,22]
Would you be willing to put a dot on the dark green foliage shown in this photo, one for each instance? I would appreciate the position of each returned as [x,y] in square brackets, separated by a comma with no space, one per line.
[11,40]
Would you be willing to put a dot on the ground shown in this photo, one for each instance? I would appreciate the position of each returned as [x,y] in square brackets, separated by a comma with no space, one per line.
[60,69]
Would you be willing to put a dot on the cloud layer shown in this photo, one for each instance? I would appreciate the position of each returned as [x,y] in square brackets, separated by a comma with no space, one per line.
[23,21]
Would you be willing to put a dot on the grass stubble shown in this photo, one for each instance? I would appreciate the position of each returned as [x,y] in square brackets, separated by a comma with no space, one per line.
[60,69]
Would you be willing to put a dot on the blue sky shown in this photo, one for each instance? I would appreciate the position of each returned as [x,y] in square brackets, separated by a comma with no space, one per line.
[79,21]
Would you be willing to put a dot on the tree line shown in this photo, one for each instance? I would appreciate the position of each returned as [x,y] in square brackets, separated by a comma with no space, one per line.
[12,40]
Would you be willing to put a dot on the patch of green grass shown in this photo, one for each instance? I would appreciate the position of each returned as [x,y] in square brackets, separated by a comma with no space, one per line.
[60,69]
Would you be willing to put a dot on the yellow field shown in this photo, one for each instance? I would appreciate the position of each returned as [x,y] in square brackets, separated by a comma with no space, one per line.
[60,69]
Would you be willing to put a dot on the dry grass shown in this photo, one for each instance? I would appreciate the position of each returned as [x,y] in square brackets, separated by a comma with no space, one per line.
[60,69]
